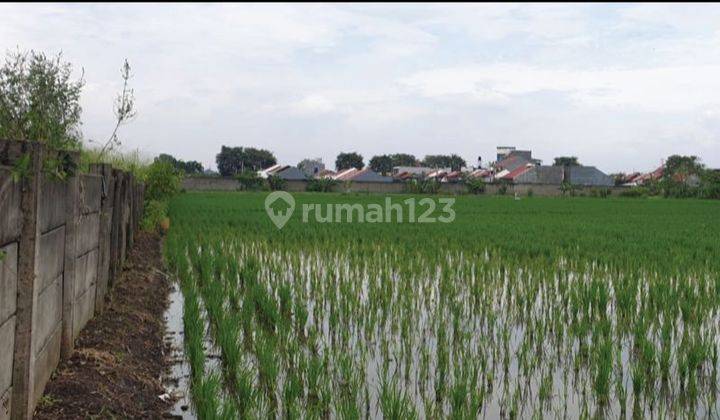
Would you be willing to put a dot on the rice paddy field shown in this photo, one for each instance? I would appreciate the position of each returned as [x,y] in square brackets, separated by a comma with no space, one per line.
[532,308]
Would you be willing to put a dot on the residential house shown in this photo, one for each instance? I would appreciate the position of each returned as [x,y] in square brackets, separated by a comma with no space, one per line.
[264,173]
[588,176]
[556,175]
[417,171]
[361,175]
[286,172]
[511,176]
[291,173]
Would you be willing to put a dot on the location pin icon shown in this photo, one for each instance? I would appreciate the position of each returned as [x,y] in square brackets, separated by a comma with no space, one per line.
[279,206]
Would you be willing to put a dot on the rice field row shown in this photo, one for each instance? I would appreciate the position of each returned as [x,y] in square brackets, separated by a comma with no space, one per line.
[532,308]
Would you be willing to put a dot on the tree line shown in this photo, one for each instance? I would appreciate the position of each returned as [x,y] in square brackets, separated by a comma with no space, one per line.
[235,160]
[384,164]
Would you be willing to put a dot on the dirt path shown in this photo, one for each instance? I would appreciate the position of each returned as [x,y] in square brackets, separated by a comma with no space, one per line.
[118,359]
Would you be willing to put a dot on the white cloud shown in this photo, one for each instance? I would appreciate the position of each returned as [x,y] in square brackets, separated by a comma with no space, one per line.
[313,104]
[651,89]
[619,85]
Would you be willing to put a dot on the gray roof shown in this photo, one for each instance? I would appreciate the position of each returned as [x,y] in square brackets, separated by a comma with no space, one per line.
[589,175]
[292,174]
[576,175]
[372,176]
[512,162]
[541,175]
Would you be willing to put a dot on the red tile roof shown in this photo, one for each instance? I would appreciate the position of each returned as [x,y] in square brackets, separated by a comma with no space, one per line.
[517,172]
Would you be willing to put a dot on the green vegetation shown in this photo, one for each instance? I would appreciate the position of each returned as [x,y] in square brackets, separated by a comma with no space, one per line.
[566,161]
[348,160]
[519,308]
[162,182]
[321,184]
[232,161]
[422,186]
[454,162]
[190,167]
[474,185]
[130,161]
[250,181]
[39,100]
[276,183]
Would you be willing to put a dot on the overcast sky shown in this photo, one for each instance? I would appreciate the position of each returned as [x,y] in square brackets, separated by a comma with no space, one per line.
[619,86]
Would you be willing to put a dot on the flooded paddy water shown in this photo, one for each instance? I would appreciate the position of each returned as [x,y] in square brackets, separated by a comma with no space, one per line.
[377,330]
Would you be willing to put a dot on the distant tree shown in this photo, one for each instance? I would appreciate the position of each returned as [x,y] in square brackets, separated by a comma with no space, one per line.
[309,166]
[229,161]
[454,162]
[382,164]
[188,168]
[164,157]
[681,177]
[258,159]
[193,167]
[234,160]
[39,100]
[457,163]
[710,184]
[349,160]
[682,165]
[403,159]
[566,161]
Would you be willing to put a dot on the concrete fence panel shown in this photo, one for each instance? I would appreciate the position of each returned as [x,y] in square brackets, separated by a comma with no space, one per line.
[57,259]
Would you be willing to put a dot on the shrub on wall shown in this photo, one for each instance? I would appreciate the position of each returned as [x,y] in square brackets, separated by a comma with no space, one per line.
[422,186]
[162,181]
[276,183]
[475,185]
[155,214]
[250,181]
[321,185]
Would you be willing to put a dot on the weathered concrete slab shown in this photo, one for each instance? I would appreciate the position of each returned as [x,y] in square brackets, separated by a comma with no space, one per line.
[43,366]
[69,271]
[83,310]
[87,266]
[6,404]
[51,256]
[7,346]
[8,300]
[53,199]
[9,207]
[103,277]
[88,233]
[90,193]
[8,281]
[47,315]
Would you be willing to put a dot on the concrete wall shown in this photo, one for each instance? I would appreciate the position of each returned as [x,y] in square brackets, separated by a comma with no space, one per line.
[9,237]
[540,190]
[56,256]
[210,184]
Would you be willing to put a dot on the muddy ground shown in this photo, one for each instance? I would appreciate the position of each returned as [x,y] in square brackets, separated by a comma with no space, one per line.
[115,368]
